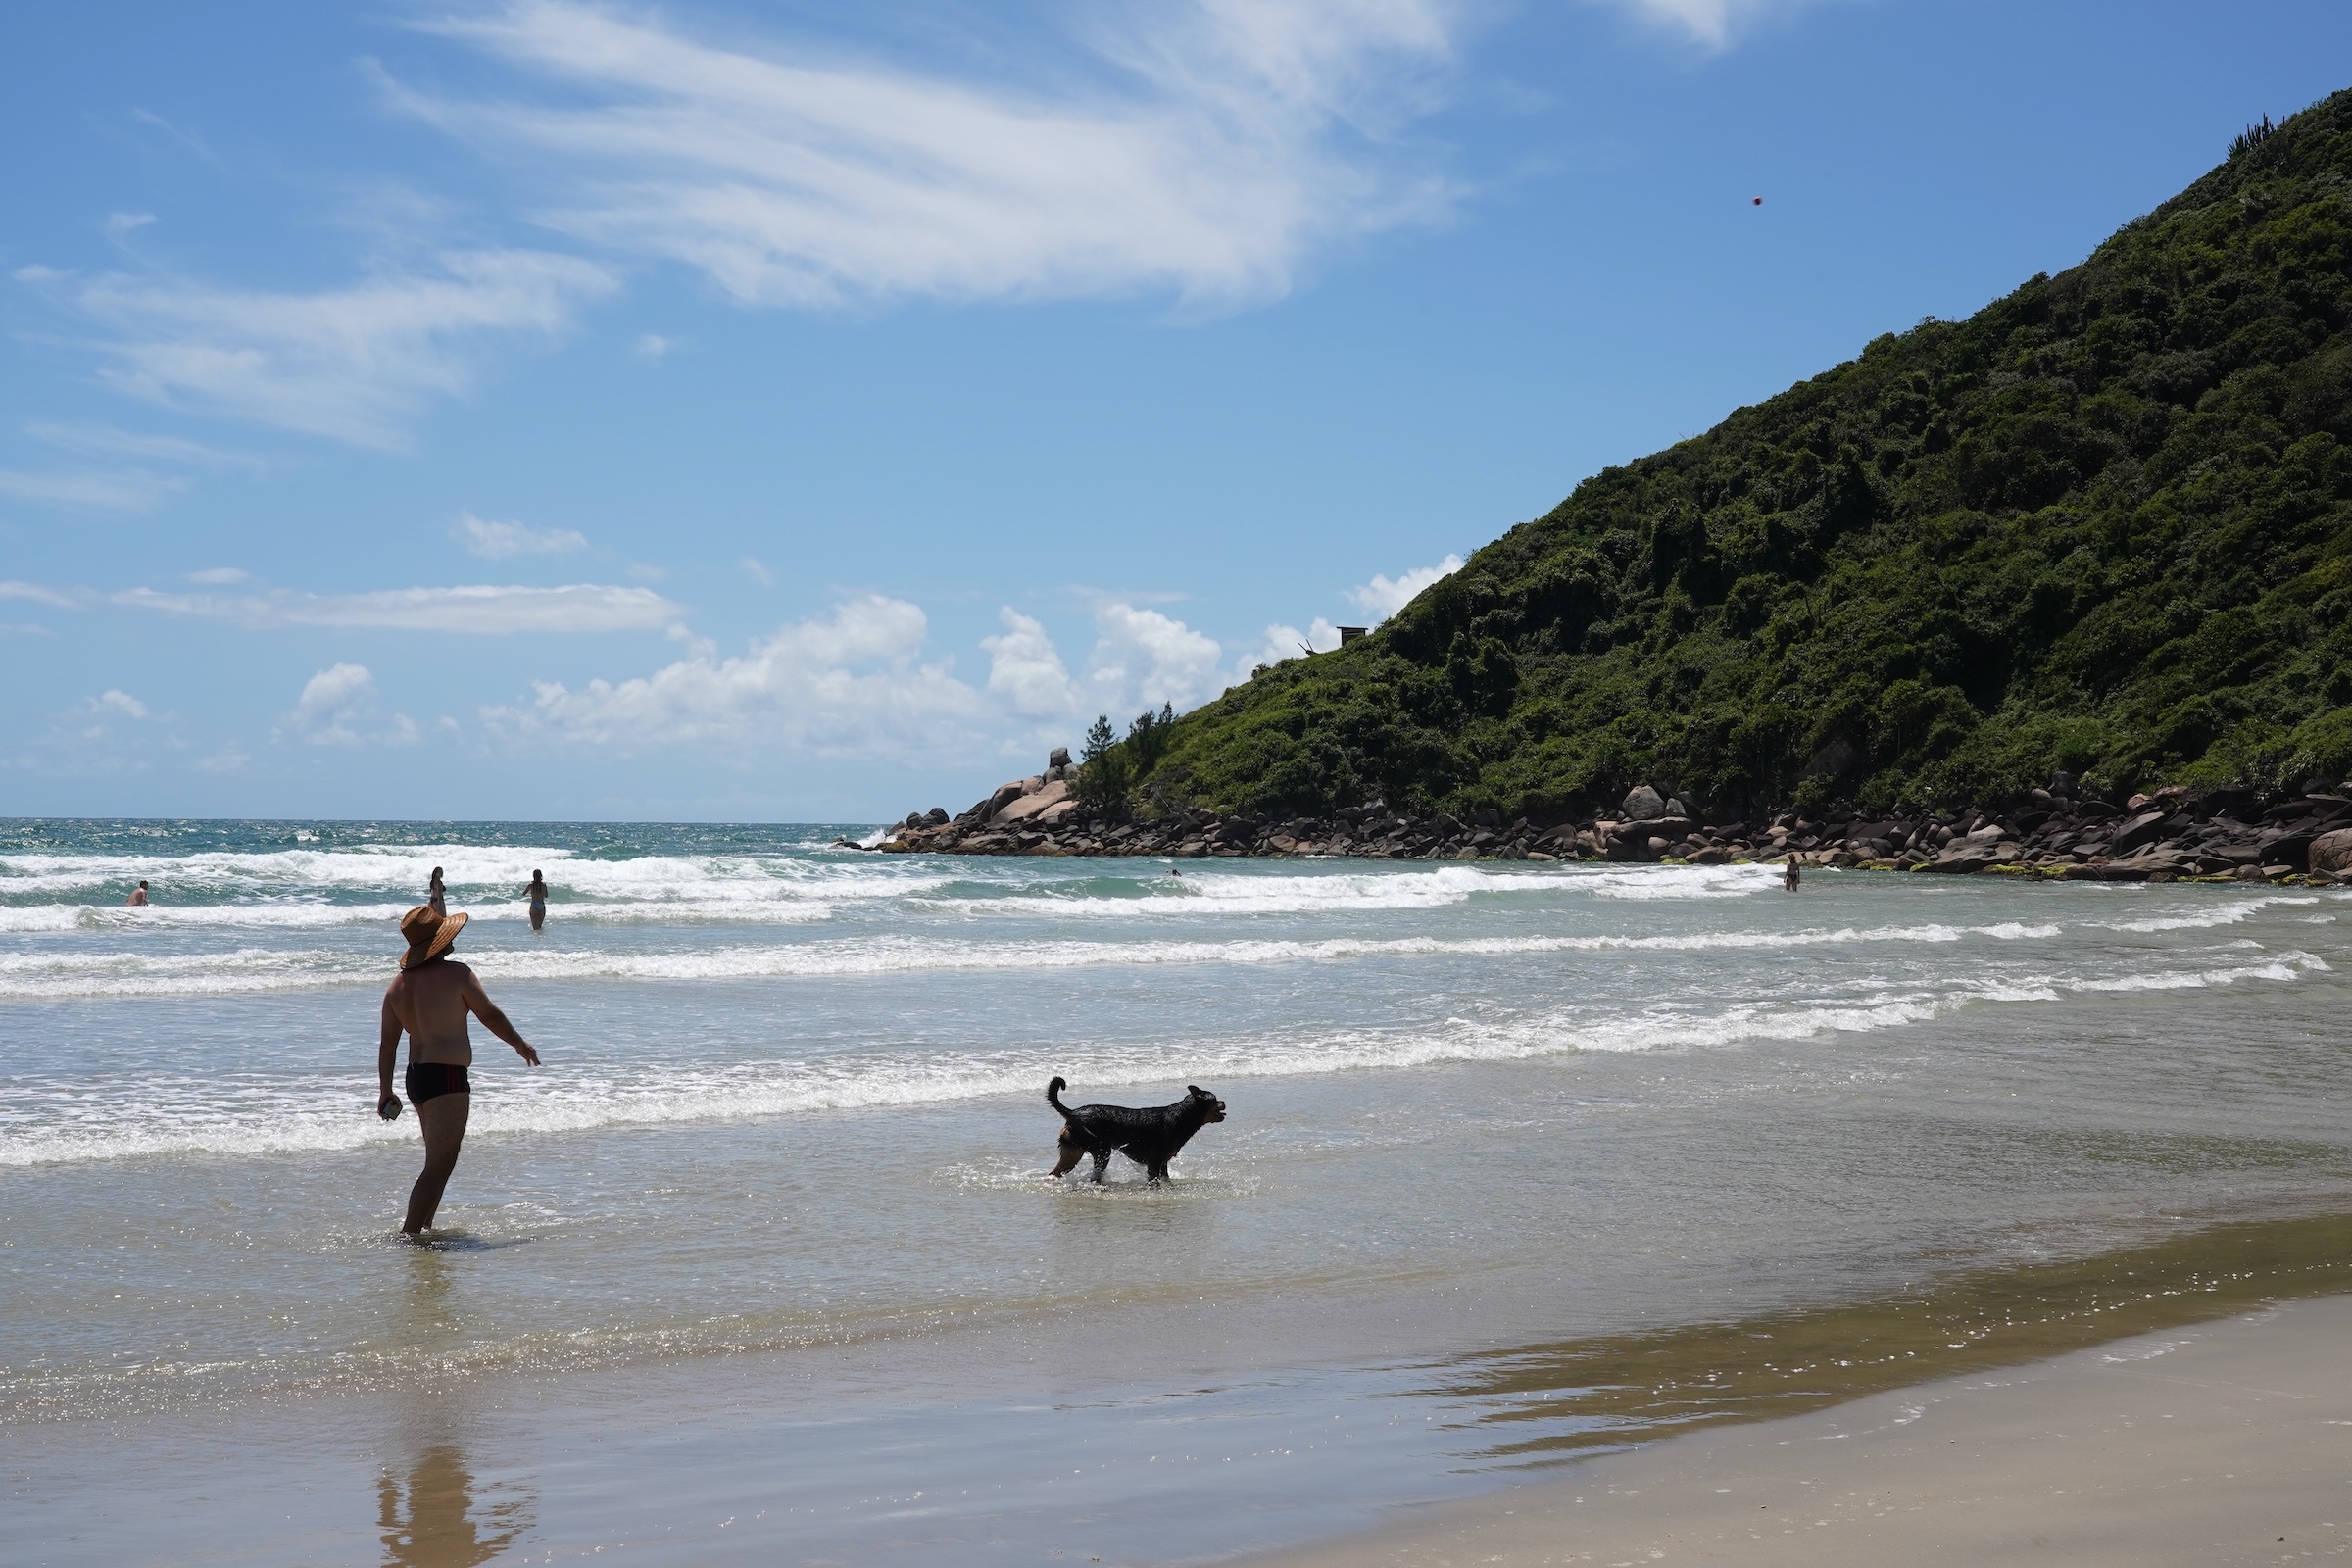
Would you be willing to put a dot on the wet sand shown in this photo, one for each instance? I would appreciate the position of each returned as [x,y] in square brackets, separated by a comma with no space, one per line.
[2224,1444]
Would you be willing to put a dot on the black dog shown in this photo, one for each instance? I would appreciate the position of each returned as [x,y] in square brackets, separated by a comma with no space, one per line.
[1150,1136]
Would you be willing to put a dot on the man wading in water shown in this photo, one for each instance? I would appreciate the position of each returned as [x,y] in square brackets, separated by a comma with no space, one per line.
[429,1000]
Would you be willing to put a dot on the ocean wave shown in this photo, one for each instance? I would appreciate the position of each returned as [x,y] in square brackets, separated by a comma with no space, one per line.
[51,1122]
[209,877]
[52,976]
[2203,919]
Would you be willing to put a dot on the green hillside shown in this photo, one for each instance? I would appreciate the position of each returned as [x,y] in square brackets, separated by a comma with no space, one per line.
[2101,527]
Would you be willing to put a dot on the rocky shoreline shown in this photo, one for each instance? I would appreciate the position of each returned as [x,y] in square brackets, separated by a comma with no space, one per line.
[2175,834]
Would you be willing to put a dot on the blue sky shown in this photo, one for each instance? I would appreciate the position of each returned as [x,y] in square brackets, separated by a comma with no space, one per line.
[555,409]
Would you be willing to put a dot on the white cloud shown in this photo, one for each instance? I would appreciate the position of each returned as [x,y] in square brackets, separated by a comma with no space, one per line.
[119,226]
[497,541]
[338,707]
[112,700]
[1711,23]
[851,684]
[1204,149]
[654,346]
[37,594]
[352,364]
[219,576]
[1142,656]
[757,569]
[121,490]
[1383,597]
[1025,668]
[480,611]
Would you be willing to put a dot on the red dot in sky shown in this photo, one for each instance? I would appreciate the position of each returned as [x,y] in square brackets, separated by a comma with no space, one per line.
[1756,201]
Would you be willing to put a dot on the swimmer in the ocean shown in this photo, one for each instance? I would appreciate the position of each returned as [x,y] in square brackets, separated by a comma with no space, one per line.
[538,896]
[138,896]
[428,1000]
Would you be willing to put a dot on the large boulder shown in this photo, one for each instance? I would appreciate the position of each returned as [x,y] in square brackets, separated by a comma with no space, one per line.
[1643,804]
[2142,829]
[2289,848]
[1006,794]
[2331,850]
[1033,804]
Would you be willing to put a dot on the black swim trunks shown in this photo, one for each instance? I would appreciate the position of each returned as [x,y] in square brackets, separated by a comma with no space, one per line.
[426,1079]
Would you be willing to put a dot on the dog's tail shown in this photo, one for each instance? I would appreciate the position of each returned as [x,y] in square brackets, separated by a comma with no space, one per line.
[1053,1096]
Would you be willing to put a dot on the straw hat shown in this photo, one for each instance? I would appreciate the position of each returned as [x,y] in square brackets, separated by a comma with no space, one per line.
[429,935]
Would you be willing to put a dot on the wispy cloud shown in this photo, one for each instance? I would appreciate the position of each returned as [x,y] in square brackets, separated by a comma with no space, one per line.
[118,490]
[851,683]
[106,441]
[37,594]
[220,577]
[1204,149]
[476,610]
[1712,22]
[352,364]
[1383,597]
[498,541]
[186,137]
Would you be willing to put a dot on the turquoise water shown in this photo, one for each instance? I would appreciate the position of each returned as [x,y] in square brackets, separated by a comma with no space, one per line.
[790,1127]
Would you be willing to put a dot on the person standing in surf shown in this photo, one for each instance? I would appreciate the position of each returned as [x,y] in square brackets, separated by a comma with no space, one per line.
[138,896]
[428,1000]
[537,892]
[435,894]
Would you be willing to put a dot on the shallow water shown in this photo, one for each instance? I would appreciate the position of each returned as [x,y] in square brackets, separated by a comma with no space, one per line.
[791,1112]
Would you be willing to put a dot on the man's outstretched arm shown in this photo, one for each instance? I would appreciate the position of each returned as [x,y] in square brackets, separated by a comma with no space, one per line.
[478,1002]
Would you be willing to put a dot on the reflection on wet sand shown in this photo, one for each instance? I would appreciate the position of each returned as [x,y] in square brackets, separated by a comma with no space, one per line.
[432,1517]
[434,1522]
[1584,1394]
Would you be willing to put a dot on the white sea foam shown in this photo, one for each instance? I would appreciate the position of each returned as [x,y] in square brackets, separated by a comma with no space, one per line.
[51,1122]
[2204,919]
[250,970]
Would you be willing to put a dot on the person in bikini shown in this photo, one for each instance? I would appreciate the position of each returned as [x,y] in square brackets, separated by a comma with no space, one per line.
[538,896]
[436,895]
[428,1000]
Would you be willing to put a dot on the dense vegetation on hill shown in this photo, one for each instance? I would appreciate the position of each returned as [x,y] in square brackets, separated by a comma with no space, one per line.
[2103,526]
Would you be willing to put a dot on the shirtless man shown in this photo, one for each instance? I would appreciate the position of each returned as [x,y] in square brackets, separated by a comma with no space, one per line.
[428,1000]
[138,896]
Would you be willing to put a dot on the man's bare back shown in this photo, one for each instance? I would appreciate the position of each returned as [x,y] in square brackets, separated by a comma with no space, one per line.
[430,1005]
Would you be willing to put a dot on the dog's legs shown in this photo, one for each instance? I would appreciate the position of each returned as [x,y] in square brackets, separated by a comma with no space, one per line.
[1153,1175]
[1101,1162]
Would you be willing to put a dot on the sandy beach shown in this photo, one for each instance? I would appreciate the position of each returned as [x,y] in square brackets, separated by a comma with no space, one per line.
[2228,1443]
